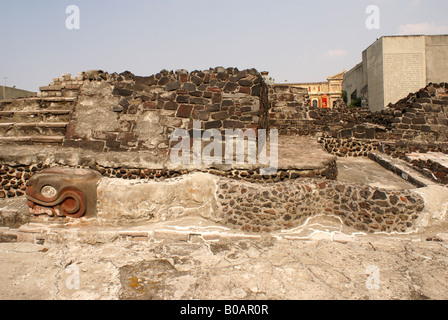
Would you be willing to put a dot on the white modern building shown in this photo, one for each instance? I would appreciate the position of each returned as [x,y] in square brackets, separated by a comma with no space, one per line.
[392,67]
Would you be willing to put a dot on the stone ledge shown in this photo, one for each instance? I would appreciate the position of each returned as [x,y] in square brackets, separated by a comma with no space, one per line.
[30,112]
[35,124]
[8,235]
[401,168]
[38,234]
[52,88]
[45,139]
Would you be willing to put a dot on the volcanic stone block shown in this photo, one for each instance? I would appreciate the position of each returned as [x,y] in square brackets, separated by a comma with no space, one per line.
[379,195]
[172,86]
[245,90]
[183,99]
[213,107]
[163,81]
[122,91]
[148,81]
[213,124]
[184,111]
[149,105]
[256,90]
[228,103]
[223,76]
[189,86]
[197,100]
[220,115]
[171,105]
[201,115]
[196,80]
[230,86]
[418,121]
[196,93]
[231,124]
[245,83]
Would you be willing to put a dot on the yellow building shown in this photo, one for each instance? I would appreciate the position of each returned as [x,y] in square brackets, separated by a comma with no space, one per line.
[322,94]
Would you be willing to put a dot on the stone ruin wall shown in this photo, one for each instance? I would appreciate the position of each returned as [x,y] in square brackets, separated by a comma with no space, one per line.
[285,205]
[261,208]
[128,113]
[247,206]
[420,117]
[133,113]
[123,112]
[417,123]
[101,112]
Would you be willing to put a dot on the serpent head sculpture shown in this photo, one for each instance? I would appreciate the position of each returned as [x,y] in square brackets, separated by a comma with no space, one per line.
[63,192]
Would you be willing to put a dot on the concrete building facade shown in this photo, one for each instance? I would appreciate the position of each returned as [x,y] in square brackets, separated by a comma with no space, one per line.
[322,94]
[13,93]
[392,67]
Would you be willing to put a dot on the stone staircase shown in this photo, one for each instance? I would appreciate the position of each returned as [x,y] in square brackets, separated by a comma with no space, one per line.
[35,120]
[41,119]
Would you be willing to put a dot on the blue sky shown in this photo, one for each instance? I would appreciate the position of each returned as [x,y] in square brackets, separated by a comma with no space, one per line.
[297,41]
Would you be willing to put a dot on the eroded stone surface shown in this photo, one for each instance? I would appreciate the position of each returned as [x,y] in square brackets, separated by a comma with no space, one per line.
[407,268]
[366,171]
[123,201]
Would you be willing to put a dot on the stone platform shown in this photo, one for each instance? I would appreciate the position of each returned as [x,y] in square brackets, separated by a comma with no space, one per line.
[433,165]
[440,158]
[297,158]
[368,172]
[365,197]
[320,264]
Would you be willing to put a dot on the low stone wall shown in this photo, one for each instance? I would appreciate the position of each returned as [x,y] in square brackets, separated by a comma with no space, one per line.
[250,206]
[349,147]
[421,116]
[432,170]
[14,178]
[285,205]
[287,111]
[256,208]
[239,174]
[352,147]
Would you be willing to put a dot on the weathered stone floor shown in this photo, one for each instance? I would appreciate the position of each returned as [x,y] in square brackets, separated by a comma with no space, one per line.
[320,261]
[194,259]
[368,172]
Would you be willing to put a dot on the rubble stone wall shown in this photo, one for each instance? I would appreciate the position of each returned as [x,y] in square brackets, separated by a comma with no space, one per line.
[132,113]
[258,208]
[420,117]
[14,178]
[285,205]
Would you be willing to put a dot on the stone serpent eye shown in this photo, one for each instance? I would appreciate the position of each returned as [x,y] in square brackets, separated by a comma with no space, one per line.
[48,191]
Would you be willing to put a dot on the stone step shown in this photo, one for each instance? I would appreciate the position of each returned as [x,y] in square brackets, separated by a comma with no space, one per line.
[60,87]
[34,124]
[401,168]
[32,139]
[33,112]
[45,99]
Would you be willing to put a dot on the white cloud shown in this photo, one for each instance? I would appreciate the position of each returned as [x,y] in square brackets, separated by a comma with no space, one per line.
[422,28]
[336,53]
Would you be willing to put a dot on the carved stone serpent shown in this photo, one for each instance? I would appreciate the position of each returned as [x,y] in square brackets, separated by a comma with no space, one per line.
[63,192]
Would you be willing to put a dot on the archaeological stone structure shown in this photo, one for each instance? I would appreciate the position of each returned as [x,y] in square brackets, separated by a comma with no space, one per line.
[97,148]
